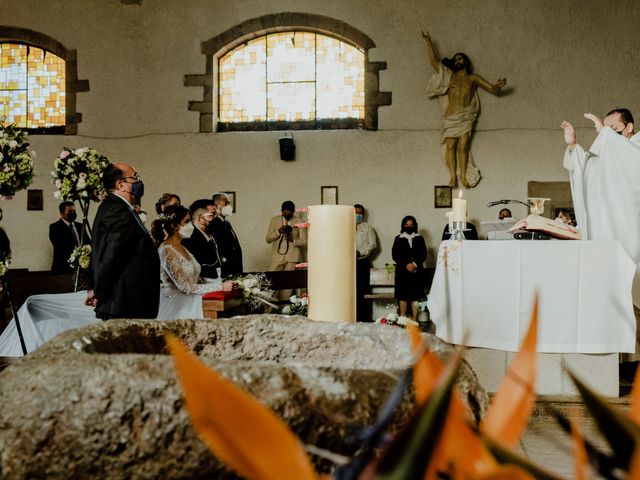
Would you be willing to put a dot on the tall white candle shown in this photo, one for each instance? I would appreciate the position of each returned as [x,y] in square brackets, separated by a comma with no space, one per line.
[331,253]
[459,209]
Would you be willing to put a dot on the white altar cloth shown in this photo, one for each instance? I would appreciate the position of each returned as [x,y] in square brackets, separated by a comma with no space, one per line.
[485,290]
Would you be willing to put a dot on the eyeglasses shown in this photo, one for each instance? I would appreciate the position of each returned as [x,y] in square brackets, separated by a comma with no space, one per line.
[134,177]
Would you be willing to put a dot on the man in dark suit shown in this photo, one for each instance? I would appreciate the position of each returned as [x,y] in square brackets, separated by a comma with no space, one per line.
[124,259]
[228,244]
[201,243]
[65,235]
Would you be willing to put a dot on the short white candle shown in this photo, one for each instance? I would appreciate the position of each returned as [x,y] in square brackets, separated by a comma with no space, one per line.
[459,209]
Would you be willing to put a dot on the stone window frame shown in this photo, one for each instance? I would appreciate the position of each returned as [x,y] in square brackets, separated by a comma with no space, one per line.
[219,45]
[72,84]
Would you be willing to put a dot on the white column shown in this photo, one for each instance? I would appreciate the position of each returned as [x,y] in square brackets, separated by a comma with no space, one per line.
[331,254]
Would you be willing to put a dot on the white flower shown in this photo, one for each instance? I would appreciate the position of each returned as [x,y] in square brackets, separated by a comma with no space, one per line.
[65,154]
[293,299]
[81,184]
[13,144]
[81,151]
[58,183]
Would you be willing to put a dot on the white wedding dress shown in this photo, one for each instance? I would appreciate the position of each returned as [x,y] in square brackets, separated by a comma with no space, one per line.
[42,317]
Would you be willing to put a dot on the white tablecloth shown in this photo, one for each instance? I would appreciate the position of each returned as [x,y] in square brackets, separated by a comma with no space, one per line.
[485,290]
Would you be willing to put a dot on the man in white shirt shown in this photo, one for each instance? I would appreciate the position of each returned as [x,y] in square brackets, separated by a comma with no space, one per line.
[365,245]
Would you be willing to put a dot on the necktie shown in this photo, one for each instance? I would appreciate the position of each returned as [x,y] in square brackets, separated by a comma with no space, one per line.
[74,233]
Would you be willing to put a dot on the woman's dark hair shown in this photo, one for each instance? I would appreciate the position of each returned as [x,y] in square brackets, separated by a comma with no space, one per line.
[165,225]
[406,219]
[162,201]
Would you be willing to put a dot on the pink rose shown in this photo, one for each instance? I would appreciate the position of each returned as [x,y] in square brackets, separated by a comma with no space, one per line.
[64,154]
[82,175]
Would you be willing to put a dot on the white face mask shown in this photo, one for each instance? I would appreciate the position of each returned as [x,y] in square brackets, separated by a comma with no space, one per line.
[227,211]
[186,230]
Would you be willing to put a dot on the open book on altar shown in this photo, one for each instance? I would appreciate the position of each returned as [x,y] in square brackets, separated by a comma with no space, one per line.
[538,223]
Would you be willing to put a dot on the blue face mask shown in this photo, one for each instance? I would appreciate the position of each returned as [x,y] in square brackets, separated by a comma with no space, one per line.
[137,189]
[359,218]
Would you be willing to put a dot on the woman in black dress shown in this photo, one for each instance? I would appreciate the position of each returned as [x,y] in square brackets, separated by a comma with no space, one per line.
[409,252]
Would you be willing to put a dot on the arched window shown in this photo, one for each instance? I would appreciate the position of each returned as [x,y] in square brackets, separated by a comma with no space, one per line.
[289,71]
[32,86]
[38,82]
[291,79]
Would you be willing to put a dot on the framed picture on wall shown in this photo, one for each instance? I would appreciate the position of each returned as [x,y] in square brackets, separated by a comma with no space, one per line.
[34,199]
[232,199]
[329,195]
[442,196]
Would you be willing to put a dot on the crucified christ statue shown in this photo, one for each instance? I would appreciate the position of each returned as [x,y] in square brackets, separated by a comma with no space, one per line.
[457,85]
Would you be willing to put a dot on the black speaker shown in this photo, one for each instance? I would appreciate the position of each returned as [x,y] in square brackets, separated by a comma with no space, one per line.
[287,149]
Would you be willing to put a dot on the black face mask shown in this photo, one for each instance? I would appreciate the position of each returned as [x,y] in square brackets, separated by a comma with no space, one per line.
[409,229]
[71,217]
[209,228]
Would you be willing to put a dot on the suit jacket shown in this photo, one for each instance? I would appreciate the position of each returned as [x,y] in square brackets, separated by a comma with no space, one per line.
[64,242]
[205,251]
[125,263]
[281,249]
[228,247]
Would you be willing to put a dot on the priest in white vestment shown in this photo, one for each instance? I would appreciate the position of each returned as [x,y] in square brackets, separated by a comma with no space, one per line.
[605,186]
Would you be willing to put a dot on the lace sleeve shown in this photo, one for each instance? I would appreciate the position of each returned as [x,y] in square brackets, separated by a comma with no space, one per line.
[184,274]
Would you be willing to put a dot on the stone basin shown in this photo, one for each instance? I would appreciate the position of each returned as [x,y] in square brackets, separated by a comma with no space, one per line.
[103,401]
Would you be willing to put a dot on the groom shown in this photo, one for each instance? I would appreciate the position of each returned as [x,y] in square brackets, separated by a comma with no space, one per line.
[124,258]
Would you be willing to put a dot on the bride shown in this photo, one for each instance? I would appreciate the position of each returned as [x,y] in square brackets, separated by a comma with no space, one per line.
[182,287]
[42,317]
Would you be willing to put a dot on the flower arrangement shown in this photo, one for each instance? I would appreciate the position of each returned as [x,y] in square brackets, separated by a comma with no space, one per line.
[422,305]
[298,306]
[256,290]
[396,320]
[16,159]
[77,175]
[80,257]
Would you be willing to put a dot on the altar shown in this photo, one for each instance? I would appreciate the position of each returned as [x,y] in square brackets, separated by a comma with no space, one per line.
[483,292]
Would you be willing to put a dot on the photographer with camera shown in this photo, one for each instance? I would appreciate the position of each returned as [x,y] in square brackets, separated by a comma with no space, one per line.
[287,241]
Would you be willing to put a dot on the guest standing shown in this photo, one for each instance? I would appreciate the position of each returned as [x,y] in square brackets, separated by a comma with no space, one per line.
[365,245]
[65,235]
[228,244]
[125,264]
[199,241]
[409,252]
[165,200]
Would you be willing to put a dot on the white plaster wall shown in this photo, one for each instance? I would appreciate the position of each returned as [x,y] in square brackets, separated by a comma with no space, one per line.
[560,59]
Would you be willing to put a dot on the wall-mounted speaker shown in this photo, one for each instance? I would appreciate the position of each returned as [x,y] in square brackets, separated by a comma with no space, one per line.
[287,149]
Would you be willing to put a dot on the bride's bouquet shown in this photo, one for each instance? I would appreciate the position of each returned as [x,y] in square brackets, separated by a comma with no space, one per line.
[16,159]
[256,290]
[396,320]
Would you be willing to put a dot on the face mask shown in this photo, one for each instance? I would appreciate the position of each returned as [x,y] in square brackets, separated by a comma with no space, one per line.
[71,217]
[409,229]
[226,211]
[359,218]
[137,189]
[186,230]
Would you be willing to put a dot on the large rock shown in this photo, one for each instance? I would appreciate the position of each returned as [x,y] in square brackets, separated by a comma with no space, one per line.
[104,402]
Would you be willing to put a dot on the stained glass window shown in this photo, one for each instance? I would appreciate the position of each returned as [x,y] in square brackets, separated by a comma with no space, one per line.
[32,86]
[290,77]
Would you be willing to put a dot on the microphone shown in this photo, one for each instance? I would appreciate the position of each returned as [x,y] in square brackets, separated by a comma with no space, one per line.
[497,202]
